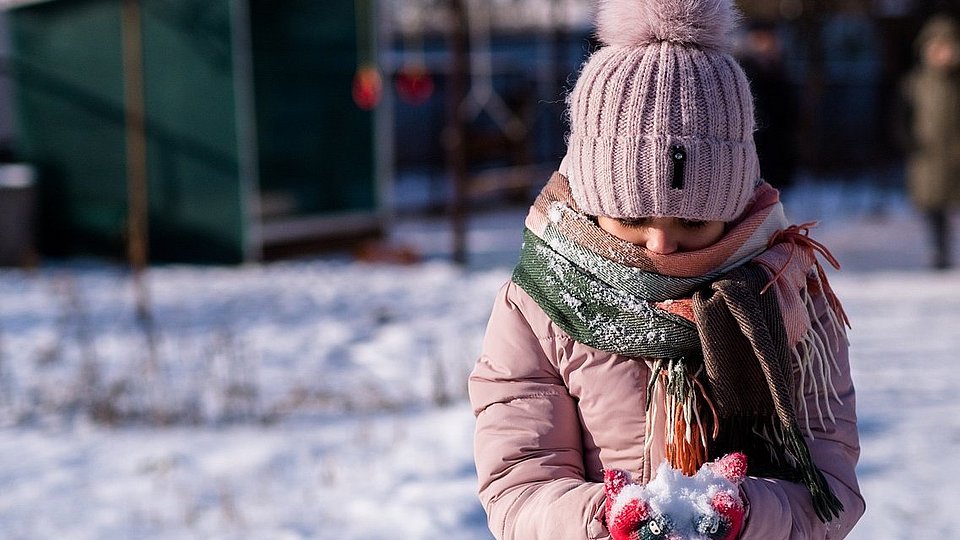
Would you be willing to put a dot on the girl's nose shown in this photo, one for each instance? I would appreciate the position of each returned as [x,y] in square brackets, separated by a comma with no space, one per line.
[660,241]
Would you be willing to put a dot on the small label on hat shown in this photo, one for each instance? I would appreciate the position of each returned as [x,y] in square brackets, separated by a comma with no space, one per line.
[679,157]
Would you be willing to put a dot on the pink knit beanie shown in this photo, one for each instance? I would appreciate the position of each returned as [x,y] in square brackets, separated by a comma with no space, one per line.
[661,116]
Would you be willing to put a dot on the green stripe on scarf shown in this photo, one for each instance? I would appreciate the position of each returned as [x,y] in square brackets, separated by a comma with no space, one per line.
[600,315]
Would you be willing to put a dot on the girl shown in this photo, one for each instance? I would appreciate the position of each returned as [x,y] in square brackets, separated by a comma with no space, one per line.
[663,311]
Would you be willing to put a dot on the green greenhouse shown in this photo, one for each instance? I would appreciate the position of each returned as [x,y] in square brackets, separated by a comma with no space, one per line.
[251,141]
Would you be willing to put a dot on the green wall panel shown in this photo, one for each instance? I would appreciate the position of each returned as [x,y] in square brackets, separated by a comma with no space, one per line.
[315,144]
[68,62]
[315,147]
[70,117]
[196,204]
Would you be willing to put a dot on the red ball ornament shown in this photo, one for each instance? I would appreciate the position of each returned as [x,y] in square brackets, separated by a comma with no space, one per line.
[367,87]
[414,84]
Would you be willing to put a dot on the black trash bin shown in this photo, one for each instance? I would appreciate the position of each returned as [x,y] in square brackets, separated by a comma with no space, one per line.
[17,214]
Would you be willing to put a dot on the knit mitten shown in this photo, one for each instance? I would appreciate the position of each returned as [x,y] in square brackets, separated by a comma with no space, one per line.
[706,506]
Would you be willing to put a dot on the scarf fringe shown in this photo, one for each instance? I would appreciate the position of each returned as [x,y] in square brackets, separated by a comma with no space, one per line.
[825,503]
[813,353]
[798,237]
[817,361]
[687,404]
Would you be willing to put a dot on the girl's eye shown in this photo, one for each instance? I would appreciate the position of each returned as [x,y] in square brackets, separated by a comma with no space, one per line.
[693,224]
[633,223]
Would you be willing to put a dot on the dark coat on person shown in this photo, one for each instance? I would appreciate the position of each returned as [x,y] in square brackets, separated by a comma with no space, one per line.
[932,97]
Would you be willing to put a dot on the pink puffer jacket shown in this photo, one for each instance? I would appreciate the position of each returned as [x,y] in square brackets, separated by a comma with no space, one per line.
[552,413]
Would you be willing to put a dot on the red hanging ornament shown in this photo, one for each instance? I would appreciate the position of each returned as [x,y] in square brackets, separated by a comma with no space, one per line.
[367,87]
[414,84]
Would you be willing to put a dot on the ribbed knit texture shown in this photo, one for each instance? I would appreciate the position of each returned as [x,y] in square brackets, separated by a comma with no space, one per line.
[633,106]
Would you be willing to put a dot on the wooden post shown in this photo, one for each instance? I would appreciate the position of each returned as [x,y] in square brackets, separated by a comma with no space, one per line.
[136,147]
[455,136]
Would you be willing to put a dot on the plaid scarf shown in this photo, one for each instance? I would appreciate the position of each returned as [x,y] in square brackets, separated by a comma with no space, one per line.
[698,315]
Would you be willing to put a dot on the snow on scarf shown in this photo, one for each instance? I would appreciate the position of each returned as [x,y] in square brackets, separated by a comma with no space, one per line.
[698,315]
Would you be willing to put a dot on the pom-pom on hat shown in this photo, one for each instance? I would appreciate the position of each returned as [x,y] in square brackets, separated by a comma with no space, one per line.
[661,117]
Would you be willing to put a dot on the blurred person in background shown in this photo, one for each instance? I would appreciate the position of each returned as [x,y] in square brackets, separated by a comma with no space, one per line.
[775,102]
[665,317]
[931,95]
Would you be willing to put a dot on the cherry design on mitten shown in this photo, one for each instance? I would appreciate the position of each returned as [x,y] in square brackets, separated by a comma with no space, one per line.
[705,506]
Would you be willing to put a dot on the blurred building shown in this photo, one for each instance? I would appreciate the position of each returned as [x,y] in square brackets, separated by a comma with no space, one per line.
[256,141]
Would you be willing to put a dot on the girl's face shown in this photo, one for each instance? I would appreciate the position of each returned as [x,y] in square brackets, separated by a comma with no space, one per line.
[664,235]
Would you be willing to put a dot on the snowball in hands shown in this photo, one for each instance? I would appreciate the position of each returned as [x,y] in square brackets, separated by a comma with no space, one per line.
[705,506]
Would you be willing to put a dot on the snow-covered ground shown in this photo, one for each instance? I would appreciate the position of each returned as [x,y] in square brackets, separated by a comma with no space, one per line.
[326,399]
